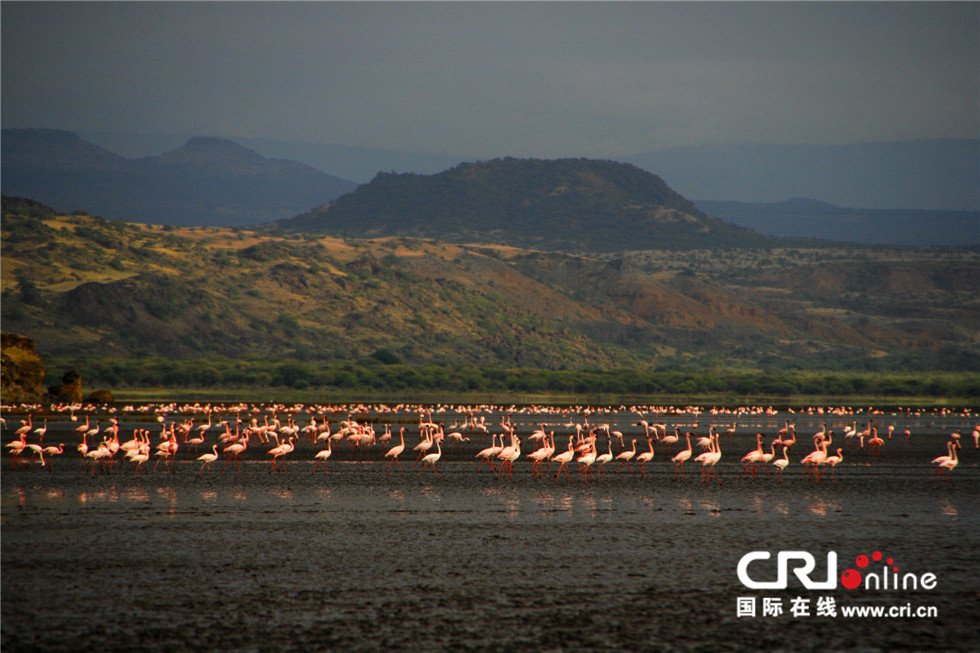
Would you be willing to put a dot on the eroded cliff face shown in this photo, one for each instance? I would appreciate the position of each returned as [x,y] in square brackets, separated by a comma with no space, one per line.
[22,370]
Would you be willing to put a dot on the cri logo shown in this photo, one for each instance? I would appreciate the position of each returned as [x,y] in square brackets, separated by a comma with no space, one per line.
[802,564]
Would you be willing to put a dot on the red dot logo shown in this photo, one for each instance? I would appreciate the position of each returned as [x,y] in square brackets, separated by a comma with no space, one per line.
[862,561]
[851,579]
[876,556]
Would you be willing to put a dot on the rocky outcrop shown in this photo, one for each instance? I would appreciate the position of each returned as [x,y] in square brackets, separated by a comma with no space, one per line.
[70,390]
[100,397]
[21,369]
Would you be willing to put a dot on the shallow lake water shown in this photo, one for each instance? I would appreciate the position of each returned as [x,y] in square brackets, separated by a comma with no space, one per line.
[360,559]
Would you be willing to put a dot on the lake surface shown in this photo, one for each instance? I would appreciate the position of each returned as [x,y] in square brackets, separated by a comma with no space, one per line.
[360,560]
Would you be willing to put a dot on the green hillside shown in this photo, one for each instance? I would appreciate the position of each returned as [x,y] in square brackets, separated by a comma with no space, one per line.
[213,305]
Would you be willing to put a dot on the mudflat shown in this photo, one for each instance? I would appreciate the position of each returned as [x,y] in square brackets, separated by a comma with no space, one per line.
[358,559]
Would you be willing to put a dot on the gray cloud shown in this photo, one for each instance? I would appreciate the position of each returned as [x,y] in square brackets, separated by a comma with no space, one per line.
[489,79]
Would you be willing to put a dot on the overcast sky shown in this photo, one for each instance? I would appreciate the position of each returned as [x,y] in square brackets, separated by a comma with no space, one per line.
[486,79]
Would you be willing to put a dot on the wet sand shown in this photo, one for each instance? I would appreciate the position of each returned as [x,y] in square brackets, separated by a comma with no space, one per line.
[357,560]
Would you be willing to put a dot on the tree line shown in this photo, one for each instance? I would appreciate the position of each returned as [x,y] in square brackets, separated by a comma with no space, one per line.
[383,372]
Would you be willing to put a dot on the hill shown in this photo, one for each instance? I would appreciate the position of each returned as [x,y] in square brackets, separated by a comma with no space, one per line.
[803,218]
[574,205]
[207,181]
[88,289]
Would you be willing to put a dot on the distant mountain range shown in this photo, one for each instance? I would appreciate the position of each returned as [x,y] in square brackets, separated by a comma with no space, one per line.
[205,182]
[803,218]
[941,174]
[935,174]
[217,182]
[571,205]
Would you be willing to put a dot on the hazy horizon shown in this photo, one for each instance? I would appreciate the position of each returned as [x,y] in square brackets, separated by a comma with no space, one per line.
[488,79]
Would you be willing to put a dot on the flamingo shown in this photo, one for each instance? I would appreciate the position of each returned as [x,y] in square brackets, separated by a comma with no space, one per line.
[815,457]
[782,463]
[875,442]
[604,458]
[423,446]
[947,466]
[489,453]
[456,439]
[234,451]
[753,457]
[83,445]
[711,459]
[16,448]
[542,454]
[138,458]
[323,455]
[671,440]
[394,452]
[682,456]
[278,452]
[586,460]
[646,457]
[94,431]
[208,458]
[625,457]
[83,428]
[508,456]
[26,426]
[766,457]
[432,459]
[940,459]
[566,456]
[197,440]
[40,431]
[166,450]
[52,451]
[832,462]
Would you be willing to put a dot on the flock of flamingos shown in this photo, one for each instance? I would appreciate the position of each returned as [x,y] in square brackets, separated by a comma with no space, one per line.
[580,446]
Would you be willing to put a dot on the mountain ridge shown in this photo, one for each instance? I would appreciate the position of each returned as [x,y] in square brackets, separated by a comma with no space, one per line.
[937,174]
[807,218]
[206,181]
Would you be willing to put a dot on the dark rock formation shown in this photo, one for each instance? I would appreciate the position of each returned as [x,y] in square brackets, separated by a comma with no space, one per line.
[70,390]
[21,369]
[101,397]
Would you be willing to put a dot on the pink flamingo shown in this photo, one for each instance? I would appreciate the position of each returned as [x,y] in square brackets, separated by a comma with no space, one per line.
[234,451]
[565,457]
[279,452]
[625,457]
[489,453]
[646,457]
[508,456]
[52,451]
[782,463]
[542,454]
[602,459]
[431,460]
[947,466]
[682,456]
[832,462]
[396,451]
[710,460]
[323,455]
[207,459]
[752,458]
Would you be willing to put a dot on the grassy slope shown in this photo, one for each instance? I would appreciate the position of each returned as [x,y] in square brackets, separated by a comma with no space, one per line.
[86,288]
